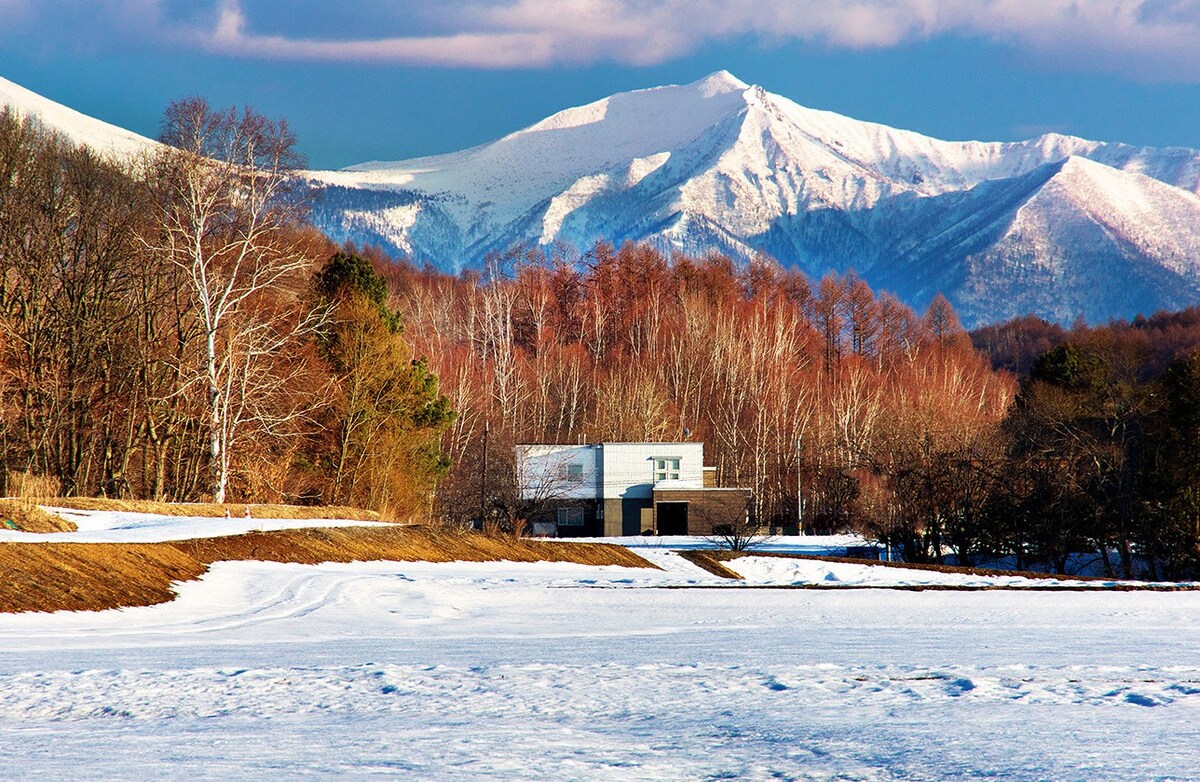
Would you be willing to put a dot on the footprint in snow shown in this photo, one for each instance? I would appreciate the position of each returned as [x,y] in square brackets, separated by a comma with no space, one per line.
[775,685]
[958,687]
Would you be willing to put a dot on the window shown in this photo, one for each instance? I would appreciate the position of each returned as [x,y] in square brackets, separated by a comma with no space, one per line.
[572,473]
[570,517]
[666,469]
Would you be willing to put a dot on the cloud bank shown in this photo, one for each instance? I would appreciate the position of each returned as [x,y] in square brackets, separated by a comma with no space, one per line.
[1150,39]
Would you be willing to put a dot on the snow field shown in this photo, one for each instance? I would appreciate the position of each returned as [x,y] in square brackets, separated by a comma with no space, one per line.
[615,721]
[558,671]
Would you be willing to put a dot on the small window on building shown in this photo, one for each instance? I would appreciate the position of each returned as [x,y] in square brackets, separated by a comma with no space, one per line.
[570,517]
[666,469]
[572,473]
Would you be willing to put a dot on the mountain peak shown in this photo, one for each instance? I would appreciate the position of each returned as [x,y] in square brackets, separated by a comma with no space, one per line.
[716,164]
[1056,225]
[720,82]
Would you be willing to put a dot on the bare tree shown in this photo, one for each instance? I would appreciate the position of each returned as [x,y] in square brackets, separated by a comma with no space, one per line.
[227,220]
[732,521]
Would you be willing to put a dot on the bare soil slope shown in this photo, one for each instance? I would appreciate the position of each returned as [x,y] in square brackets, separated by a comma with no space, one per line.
[27,517]
[98,576]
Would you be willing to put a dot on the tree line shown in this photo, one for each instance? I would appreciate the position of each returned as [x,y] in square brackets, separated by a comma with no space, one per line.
[841,408]
[826,392]
[173,328]
[1104,441]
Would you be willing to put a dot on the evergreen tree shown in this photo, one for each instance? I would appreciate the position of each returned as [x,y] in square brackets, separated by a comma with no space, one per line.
[387,412]
[1171,536]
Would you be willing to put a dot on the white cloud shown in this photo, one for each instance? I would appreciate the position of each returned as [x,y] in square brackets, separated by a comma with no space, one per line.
[1149,38]
[495,48]
[1154,39]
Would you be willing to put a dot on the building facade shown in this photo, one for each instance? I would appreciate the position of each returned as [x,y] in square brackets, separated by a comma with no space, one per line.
[614,489]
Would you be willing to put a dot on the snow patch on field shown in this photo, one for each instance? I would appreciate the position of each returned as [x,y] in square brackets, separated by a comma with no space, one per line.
[811,572]
[102,526]
[813,545]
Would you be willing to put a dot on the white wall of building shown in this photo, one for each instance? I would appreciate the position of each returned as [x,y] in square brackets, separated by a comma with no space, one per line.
[601,471]
[558,472]
[627,469]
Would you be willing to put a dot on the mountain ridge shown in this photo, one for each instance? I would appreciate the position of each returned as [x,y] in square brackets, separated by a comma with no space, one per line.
[747,171]
[101,136]
[1056,225]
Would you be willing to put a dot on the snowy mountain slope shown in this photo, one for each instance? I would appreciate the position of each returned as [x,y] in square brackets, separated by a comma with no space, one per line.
[1092,241]
[1056,225]
[1070,238]
[718,164]
[79,128]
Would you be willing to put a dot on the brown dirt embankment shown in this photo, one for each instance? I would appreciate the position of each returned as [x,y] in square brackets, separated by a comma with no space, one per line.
[710,561]
[98,576]
[27,517]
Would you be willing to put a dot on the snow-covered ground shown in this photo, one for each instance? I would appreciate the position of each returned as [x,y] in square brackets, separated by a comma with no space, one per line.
[554,671]
[760,571]
[104,526]
[827,545]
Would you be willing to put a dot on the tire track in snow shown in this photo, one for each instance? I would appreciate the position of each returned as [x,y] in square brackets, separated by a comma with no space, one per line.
[566,693]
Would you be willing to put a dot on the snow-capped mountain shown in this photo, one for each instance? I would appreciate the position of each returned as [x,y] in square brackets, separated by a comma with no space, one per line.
[78,128]
[1056,225]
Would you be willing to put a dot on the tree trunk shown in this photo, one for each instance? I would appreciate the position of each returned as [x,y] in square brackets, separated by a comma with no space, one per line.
[216,453]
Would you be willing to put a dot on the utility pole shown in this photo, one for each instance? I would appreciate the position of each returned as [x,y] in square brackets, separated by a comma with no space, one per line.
[799,492]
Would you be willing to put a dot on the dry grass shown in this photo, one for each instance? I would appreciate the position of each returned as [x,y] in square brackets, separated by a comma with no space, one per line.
[28,517]
[27,486]
[710,561]
[214,510]
[88,577]
[98,576]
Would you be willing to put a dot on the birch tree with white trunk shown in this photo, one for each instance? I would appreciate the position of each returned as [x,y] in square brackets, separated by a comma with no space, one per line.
[227,219]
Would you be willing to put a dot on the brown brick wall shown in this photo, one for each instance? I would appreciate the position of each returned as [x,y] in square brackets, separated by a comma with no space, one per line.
[709,508]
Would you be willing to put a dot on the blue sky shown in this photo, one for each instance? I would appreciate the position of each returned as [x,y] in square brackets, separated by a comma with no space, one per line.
[389,79]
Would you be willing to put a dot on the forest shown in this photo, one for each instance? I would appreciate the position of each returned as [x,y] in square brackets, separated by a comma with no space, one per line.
[172,328]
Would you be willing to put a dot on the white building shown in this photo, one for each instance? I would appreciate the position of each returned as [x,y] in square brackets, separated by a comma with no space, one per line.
[615,489]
